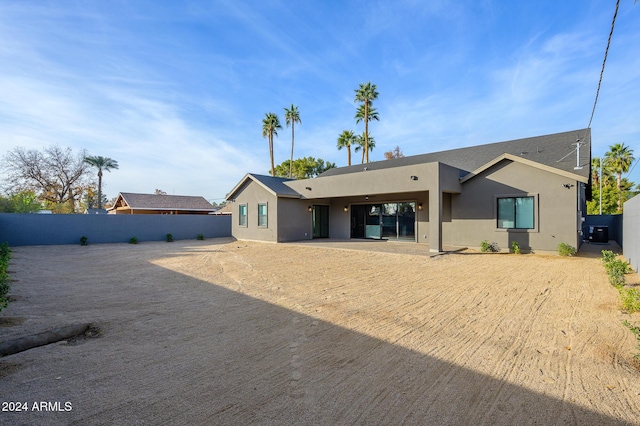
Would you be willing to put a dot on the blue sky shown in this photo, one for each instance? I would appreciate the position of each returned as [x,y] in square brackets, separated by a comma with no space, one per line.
[176,91]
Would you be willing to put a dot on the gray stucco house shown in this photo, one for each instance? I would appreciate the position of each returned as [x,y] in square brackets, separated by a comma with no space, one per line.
[531,190]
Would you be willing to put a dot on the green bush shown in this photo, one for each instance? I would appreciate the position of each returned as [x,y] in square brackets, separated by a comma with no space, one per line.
[486,246]
[5,255]
[616,268]
[84,240]
[133,240]
[169,238]
[607,256]
[565,249]
[200,237]
[515,247]
[635,330]
[630,299]
[5,251]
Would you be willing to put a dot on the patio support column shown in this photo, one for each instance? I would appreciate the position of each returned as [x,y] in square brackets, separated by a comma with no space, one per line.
[435,220]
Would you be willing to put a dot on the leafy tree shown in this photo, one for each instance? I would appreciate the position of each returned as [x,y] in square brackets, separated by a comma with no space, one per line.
[21,202]
[362,143]
[292,116]
[91,198]
[270,127]
[395,153]
[303,168]
[101,163]
[56,175]
[619,158]
[345,140]
[366,93]
[609,200]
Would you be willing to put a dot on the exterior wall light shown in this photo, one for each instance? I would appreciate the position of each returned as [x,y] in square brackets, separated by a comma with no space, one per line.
[309,209]
[345,208]
[414,177]
[420,206]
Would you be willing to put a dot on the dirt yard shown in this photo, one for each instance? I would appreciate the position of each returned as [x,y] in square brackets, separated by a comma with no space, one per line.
[228,332]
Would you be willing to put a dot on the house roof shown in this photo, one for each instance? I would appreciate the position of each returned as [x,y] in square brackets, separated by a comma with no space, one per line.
[556,151]
[274,185]
[163,202]
[95,211]
[226,209]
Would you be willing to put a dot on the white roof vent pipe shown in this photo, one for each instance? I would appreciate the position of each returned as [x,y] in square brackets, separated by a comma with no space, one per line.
[578,145]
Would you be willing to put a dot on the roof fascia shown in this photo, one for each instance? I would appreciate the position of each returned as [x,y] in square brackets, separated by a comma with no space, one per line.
[525,161]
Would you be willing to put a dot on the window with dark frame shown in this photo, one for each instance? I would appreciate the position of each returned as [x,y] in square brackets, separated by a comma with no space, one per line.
[242,214]
[516,213]
[262,215]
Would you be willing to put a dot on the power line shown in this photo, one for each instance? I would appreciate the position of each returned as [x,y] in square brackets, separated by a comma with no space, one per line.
[606,52]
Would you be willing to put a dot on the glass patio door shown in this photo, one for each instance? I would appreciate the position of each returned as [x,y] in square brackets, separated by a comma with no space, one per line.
[392,221]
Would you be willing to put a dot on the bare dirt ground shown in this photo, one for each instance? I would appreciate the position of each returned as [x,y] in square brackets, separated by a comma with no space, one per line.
[229,332]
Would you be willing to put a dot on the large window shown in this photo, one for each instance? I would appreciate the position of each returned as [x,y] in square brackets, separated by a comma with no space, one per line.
[262,215]
[242,214]
[516,213]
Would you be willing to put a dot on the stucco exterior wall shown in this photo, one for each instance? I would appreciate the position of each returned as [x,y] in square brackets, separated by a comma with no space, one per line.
[387,181]
[631,231]
[474,212]
[252,194]
[294,220]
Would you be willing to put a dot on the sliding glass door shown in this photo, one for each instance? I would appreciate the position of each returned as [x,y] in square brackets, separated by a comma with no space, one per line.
[392,221]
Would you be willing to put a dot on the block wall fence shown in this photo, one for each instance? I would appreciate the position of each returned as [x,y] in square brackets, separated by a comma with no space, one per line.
[53,229]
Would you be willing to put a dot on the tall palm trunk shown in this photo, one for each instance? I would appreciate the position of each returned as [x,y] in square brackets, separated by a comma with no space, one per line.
[291,159]
[349,154]
[619,191]
[273,167]
[100,189]
[366,131]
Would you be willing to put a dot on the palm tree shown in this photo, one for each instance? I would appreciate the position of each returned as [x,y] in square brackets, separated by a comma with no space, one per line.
[101,163]
[362,144]
[345,140]
[292,116]
[270,126]
[595,170]
[366,93]
[619,158]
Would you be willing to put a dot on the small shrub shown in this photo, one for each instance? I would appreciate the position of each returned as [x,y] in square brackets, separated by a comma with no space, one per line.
[565,249]
[616,269]
[607,256]
[630,299]
[5,251]
[486,246]
[635,330]
[84,240]
[200,237]
[133,240]
[5,255]
[515,247]
[169,238]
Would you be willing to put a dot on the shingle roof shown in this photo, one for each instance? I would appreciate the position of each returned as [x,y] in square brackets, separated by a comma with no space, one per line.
[273,184]
[556,150]
[165,202]
[276,184]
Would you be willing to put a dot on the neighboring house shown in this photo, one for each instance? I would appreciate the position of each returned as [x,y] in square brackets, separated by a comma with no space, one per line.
[95,211]
[131,203]
[224,210]
[531,190]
